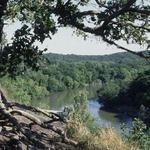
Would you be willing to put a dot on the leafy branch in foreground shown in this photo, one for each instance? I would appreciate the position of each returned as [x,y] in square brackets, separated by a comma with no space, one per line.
[116,20]
[138,134]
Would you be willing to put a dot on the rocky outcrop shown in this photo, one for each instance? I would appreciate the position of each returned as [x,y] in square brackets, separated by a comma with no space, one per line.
[26,127]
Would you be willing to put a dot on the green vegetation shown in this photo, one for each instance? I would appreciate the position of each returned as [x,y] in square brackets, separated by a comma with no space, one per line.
[41,19]
[138,134]
[81,127]
[139,90]
[119,84]
[113,78]
[24,90]
[113,21]
[122,57]
[80,112]
[123,83]
[135,92]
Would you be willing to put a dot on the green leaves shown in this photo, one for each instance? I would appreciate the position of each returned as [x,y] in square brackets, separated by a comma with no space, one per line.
[139,90]
[111,20]
[138,134]
[37,24]
[16,57]
[80,111]
[23,90]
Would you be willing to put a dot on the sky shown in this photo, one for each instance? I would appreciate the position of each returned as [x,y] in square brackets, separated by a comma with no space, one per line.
[66,42]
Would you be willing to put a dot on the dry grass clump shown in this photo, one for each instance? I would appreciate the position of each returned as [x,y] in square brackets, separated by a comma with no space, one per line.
[102,139]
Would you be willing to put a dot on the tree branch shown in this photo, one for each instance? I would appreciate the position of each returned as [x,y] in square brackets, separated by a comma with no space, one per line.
[3,5]
[140,54]
[117,13]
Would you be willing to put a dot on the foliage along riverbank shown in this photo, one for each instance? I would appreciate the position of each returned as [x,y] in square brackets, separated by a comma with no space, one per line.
[112,77]
[72,72]
[81,127]
[133,99]
[62,72]
[78,132]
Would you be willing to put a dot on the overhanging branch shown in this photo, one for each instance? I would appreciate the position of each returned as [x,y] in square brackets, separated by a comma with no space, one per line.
[140,54]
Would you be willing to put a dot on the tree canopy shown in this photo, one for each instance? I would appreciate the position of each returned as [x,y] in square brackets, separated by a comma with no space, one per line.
[127,20]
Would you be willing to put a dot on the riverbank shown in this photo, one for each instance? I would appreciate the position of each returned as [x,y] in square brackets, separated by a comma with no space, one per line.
[128,110]
[35,132]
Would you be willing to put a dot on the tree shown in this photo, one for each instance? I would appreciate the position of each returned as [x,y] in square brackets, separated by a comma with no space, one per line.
[112,20]
[68,81]
[109,94]
[126,20]
[139,90]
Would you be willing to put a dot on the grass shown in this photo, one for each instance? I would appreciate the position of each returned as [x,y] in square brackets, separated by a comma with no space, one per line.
[101,139]
[82,129]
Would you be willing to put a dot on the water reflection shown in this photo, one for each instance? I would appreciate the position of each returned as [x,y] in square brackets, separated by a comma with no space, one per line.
[107,119]
[58,100]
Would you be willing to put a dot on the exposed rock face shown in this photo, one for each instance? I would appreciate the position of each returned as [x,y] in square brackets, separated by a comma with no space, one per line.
[24,127]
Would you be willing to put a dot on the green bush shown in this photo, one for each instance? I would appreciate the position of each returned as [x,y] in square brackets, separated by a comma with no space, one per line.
[80,111]
[23,90]
[138,134]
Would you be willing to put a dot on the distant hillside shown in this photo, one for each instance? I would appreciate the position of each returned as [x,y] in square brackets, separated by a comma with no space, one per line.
[122,57]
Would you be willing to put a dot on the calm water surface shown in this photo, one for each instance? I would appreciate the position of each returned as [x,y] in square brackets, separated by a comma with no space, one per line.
[58,100]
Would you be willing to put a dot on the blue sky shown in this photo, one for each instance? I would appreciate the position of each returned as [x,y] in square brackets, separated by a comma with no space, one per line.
[65,42]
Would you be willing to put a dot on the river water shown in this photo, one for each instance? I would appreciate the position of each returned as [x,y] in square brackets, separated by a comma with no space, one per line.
[58,100]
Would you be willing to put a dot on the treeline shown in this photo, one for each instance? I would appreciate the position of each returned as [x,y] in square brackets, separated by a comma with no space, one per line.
[138,93]
[122,57]
[59,75]
[135,92]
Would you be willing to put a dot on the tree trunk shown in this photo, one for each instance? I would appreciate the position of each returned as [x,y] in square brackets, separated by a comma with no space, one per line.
[3,6]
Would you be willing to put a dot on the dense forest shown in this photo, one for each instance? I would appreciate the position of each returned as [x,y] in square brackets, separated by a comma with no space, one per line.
[122,57]
[61,72]
[27,73]
[120,84]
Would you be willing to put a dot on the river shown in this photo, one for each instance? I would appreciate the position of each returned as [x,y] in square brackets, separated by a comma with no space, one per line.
[58,100]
